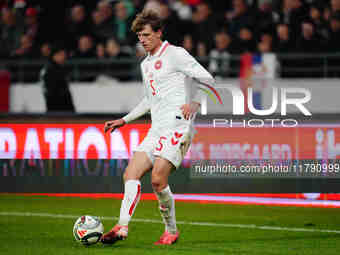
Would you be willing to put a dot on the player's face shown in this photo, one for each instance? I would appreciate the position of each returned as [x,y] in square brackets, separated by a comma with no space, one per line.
[151,40]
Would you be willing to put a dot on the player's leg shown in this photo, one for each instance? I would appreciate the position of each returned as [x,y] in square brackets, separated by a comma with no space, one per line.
[137,167]
[160,173]
[168,158]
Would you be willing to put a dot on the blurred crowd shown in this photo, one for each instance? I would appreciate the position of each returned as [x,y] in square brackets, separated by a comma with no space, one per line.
[215,28]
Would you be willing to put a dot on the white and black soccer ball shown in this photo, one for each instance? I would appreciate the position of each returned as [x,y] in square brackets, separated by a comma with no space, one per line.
[88,229]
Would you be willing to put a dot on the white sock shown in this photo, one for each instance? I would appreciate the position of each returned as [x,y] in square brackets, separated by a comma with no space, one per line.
[167,209]
[132,192]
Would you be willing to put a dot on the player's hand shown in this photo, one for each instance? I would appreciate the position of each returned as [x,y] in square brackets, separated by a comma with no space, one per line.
[188,110]
[113,124]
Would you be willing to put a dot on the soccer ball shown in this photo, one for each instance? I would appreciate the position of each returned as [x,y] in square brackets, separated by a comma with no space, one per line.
[88,229]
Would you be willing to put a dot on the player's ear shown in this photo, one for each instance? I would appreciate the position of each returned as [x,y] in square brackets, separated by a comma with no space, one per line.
[159,33]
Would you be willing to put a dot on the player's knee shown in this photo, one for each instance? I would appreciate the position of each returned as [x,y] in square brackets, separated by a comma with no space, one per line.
[158,183]
[126,176]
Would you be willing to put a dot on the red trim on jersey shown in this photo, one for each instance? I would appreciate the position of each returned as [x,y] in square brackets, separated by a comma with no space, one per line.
[135,200]
[177,135]
[165,46]
[173,141]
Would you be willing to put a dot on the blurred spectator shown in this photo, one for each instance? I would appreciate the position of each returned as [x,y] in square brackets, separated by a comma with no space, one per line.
[85,48]
[45,50]
[113,49]
[172,31]
[100,51]
[327,14]
[77,25]
[251,24]
[10,33]
[105,10]
[25,50]
[292,14]
[152,5]
[188,44]
[120,70]
[202,53]
[267,38]
[204,25]
[315,14]
[264,47]
[334,36]
[266,18]
[335,6]
[246,40]
[239,17]
[138,5]
[334,45]
[201,50]
[100,29]
[309,42]
[182,10]
[55,83]
[220,56]
[103,22]
[284,43]
[122,24]
[32,25]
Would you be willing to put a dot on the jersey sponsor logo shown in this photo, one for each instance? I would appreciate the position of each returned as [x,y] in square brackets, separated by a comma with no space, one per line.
[158,64]
[160,147]
[177,136]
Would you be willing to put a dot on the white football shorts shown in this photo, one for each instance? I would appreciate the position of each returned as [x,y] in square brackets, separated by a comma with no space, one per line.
[170,142]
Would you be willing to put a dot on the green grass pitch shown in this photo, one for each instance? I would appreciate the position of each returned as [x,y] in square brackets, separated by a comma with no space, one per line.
[236,229]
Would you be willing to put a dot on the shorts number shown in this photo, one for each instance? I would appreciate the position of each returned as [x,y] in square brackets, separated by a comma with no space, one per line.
[160,147]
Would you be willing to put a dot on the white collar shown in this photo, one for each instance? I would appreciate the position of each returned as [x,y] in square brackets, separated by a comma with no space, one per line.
[159,51]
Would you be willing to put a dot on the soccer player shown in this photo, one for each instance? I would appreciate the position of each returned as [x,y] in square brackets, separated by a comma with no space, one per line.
[165,72]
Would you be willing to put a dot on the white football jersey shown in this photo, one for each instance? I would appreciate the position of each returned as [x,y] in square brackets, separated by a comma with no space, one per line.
[167,79]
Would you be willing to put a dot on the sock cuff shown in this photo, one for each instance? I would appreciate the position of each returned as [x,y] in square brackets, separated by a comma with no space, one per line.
[164,194]
[132,182]
[166,190]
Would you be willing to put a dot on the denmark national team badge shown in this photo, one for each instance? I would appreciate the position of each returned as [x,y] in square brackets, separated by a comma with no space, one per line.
[158,64]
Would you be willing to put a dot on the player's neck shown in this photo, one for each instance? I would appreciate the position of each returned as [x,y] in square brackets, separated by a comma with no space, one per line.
[153,52]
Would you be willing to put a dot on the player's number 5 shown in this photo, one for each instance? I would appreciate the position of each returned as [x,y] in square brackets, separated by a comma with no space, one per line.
[152,87]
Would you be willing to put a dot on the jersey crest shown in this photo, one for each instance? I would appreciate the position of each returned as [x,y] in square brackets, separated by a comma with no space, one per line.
[158,64]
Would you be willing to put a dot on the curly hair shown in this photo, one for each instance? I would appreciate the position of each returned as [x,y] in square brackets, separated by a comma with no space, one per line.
[147,17]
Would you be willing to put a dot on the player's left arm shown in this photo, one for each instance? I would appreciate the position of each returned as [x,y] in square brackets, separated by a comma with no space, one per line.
[188,65]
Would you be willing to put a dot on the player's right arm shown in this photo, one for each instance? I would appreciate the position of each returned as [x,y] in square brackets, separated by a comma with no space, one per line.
[142,108]
[139,110]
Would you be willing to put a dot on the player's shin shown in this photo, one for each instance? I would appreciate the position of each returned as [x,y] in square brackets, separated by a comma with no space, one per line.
[131,198]
[167,209]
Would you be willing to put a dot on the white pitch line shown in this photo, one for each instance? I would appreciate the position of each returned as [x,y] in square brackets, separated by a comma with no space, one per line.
[208,224]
